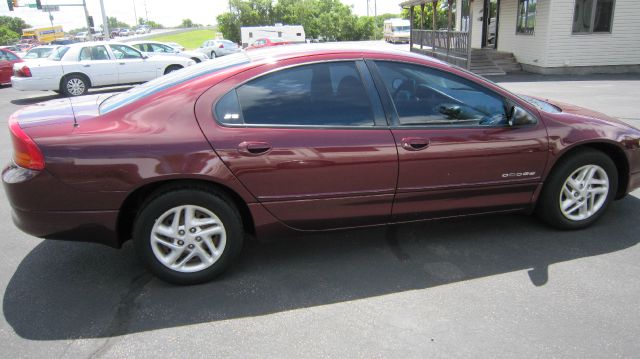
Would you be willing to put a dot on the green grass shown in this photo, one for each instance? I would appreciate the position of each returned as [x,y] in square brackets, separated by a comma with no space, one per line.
[189,39]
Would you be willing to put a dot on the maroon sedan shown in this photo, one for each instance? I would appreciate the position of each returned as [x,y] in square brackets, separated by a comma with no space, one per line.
[7,59]
[298,139]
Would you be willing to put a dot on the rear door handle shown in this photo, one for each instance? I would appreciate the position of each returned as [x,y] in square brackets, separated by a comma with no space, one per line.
[251,148]
[121,63]
[415,143]
[86,65]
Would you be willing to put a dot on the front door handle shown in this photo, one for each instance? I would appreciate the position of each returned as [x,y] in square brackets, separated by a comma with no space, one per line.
[251,148]
[86,65]
[121,63]
[415,143]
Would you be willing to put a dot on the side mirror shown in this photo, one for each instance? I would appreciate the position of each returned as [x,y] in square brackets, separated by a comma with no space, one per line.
[144,57]
[521,117]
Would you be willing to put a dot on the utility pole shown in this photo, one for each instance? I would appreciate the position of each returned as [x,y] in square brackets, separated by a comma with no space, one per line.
[134,12]
[86,18]
[105,22]
[367,7]
[146,14]
[375,7]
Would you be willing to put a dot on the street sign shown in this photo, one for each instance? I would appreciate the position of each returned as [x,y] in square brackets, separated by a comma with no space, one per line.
[50,8]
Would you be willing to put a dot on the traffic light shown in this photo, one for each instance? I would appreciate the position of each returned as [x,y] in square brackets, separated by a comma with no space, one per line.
[11,4]
[90,22]
[38,5]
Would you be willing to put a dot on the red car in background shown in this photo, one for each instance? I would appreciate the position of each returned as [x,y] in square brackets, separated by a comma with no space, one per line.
[292,140]
[265,42]
[7,59]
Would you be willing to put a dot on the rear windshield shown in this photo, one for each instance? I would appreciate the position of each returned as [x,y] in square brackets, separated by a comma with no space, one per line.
[172,79]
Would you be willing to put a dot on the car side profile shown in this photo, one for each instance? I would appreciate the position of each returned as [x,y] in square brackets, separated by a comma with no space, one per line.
[73,69]
[266,42]
[300,139]
[218,48]
[7,59]
[153,48]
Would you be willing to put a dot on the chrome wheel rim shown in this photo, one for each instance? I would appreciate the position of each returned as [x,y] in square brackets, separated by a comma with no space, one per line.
[75,86]
[188,238]
[584,192]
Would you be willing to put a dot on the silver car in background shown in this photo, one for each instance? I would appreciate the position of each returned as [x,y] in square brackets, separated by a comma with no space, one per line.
[217,48]
[152,48]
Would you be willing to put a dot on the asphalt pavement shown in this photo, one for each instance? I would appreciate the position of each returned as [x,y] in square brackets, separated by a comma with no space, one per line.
[501,286]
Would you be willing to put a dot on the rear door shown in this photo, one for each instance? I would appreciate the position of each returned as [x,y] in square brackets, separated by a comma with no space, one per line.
[95,61]
[309,141]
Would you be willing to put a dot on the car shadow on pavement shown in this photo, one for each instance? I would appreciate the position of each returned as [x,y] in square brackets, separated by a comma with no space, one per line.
[67,290]
[49,95]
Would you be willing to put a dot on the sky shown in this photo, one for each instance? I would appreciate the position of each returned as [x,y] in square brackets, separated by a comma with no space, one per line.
[167,12]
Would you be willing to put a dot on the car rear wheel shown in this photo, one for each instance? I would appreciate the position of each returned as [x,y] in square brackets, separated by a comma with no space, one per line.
[212,55]
[196,60]
[74,85]
[172,68]
[579,190]
[188,236]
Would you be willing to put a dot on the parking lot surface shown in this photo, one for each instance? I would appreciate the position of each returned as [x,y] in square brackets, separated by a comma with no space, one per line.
[502,286]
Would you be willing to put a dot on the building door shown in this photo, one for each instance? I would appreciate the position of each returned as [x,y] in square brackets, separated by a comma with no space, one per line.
[490,20]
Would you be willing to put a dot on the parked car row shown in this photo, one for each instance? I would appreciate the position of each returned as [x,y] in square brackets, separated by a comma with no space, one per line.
[73,69]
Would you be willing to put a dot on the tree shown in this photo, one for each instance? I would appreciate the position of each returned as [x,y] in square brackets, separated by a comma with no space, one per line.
[8,36]
[150,23]
[186,23]
[114,23]
[326,19]
[14,24]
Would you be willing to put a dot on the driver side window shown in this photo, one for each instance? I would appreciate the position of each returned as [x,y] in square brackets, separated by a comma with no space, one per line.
[425,96]
[125,52]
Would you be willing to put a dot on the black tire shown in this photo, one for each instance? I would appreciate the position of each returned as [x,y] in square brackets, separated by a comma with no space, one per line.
[212,55]
[196,60]
[68,90]
[548,207]
[164,201]
[172,68]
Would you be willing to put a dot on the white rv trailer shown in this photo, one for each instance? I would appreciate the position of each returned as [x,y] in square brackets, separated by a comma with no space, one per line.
[290,33]
[396,30]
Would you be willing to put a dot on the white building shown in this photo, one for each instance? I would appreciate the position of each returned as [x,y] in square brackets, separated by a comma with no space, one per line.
[554,36]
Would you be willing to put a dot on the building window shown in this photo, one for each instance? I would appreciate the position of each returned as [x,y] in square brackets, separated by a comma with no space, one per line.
[593,16]
[526,17]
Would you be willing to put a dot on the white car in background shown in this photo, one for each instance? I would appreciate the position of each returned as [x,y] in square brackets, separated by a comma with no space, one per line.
[40,52]
[153,48]
[73,69]
[217,48]
[143,29]
[82,36]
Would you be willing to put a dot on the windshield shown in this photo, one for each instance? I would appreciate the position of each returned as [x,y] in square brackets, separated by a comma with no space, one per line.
[172,79]
[400,28]
[57,54]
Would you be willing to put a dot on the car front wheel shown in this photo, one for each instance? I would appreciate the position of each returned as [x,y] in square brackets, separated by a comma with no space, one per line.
[172,68]
[188,236]
[579,190]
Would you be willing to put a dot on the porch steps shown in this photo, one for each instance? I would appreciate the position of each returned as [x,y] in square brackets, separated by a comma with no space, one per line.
[487,62]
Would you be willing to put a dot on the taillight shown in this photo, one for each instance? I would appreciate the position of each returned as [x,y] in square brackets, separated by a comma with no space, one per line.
[23,71]
[26,153]
[221,46]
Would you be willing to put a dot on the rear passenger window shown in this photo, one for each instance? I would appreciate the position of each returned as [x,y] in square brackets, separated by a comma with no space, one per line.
[326,94]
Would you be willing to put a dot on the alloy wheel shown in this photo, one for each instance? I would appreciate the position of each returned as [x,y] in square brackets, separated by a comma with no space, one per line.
[75,86]
[584,192]
[188,238]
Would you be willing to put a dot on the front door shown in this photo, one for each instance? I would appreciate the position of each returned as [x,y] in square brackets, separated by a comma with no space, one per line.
[132,67]
[309,142]
[457,152]
[6,67]
[490,22]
